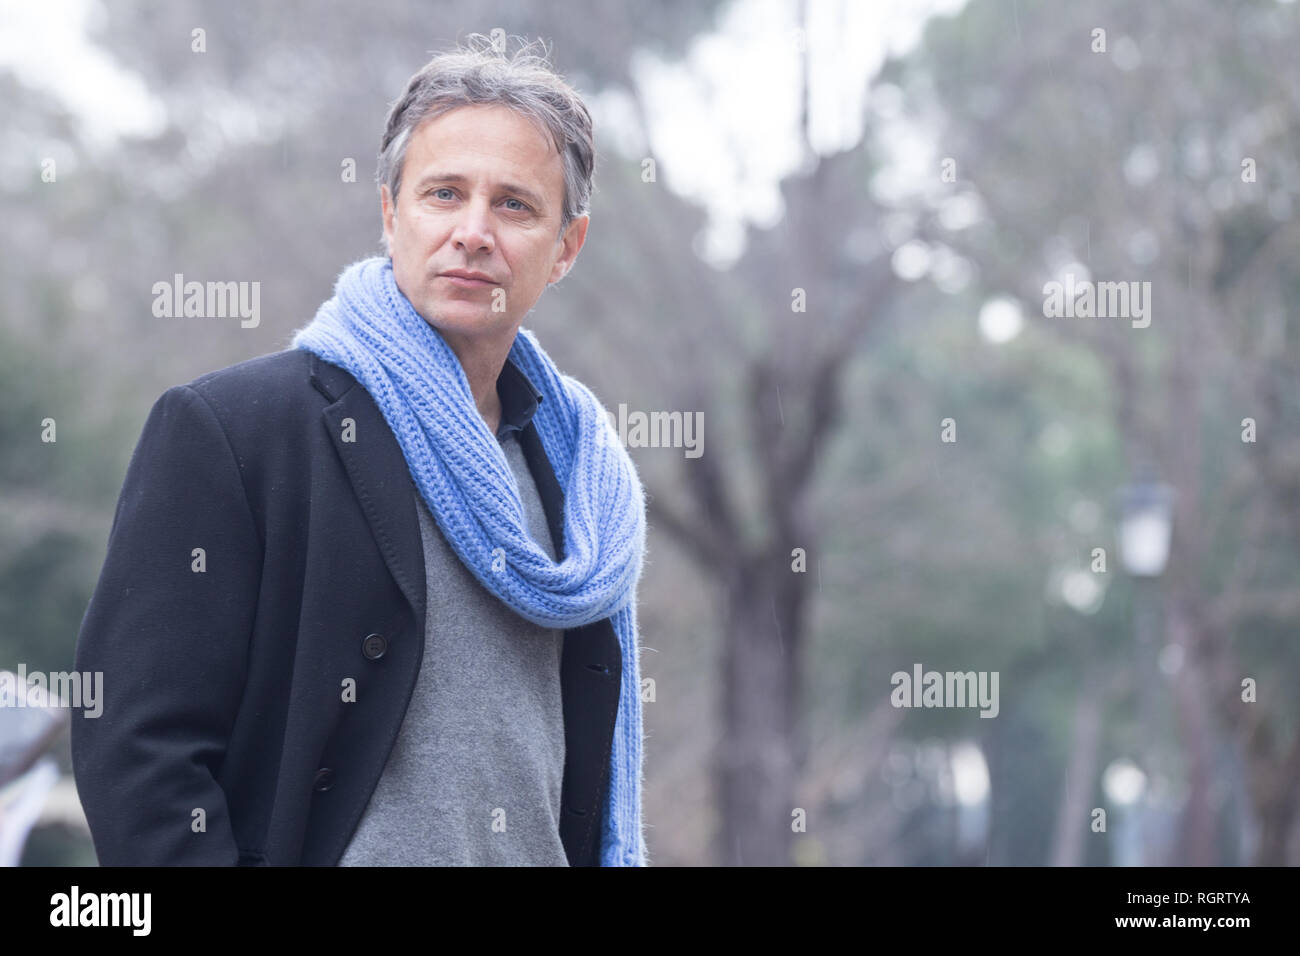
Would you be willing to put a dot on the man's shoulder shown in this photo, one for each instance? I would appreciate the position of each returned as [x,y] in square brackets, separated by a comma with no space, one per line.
[292,385]
[287,378]
[289,368]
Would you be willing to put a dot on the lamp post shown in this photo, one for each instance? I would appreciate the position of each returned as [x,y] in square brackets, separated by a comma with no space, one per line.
[1123,782]
[1146,526]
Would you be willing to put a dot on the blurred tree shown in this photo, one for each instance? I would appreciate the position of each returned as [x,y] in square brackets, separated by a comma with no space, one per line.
[1162,153]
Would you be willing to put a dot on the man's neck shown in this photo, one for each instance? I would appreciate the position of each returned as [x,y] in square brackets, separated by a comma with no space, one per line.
[482,361]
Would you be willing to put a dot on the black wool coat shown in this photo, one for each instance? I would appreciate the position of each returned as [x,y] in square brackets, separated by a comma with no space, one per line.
[225,737]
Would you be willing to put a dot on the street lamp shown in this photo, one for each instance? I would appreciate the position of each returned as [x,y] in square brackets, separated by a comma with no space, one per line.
[1146,523]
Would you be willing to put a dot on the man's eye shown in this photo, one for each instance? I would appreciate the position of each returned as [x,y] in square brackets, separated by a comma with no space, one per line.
[522,207]
[440,189]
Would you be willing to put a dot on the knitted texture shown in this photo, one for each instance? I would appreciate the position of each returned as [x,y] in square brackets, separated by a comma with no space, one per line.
[371,329]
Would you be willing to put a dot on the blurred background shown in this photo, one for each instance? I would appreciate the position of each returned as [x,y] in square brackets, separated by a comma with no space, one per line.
[831,228]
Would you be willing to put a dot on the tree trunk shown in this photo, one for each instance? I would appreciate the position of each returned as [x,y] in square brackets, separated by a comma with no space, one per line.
[1198,827]
[759,759]
[1080,774]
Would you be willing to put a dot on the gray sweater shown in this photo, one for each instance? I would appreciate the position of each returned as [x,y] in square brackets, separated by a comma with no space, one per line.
[474,777]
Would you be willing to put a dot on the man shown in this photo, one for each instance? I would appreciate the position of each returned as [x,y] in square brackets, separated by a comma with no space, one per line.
[371,600]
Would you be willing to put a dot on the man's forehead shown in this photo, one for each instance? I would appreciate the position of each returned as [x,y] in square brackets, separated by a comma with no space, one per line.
[496,131]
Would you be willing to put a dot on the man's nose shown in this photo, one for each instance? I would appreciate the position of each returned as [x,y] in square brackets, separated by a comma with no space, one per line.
[473,232]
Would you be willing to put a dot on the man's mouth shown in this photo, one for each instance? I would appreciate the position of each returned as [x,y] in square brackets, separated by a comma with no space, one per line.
[467,280]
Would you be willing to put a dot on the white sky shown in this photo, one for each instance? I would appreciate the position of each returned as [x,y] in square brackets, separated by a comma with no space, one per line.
[44,43]
[724,121]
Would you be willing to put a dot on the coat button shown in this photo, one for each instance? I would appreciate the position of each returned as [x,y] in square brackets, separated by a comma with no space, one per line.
[373,646]
[324,779]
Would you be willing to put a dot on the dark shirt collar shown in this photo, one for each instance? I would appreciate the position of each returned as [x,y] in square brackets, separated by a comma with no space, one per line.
[519,399]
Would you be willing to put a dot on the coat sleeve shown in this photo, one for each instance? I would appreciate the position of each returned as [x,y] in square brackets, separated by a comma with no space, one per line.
[169,627]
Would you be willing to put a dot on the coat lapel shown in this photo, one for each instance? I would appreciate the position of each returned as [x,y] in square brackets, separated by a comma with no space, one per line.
[379,475]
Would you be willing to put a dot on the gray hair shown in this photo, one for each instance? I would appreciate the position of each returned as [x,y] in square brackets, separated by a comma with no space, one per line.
[479,72]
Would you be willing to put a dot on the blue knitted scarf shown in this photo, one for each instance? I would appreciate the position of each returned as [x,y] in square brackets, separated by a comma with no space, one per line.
[371,329]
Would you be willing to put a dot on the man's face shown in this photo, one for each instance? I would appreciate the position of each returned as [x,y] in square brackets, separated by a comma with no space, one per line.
[481,191]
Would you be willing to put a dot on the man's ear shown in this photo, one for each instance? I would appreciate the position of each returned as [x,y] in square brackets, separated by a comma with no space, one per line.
[572,241]
[388,212]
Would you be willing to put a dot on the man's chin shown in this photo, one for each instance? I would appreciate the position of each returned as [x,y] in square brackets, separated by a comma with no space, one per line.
[456,317]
